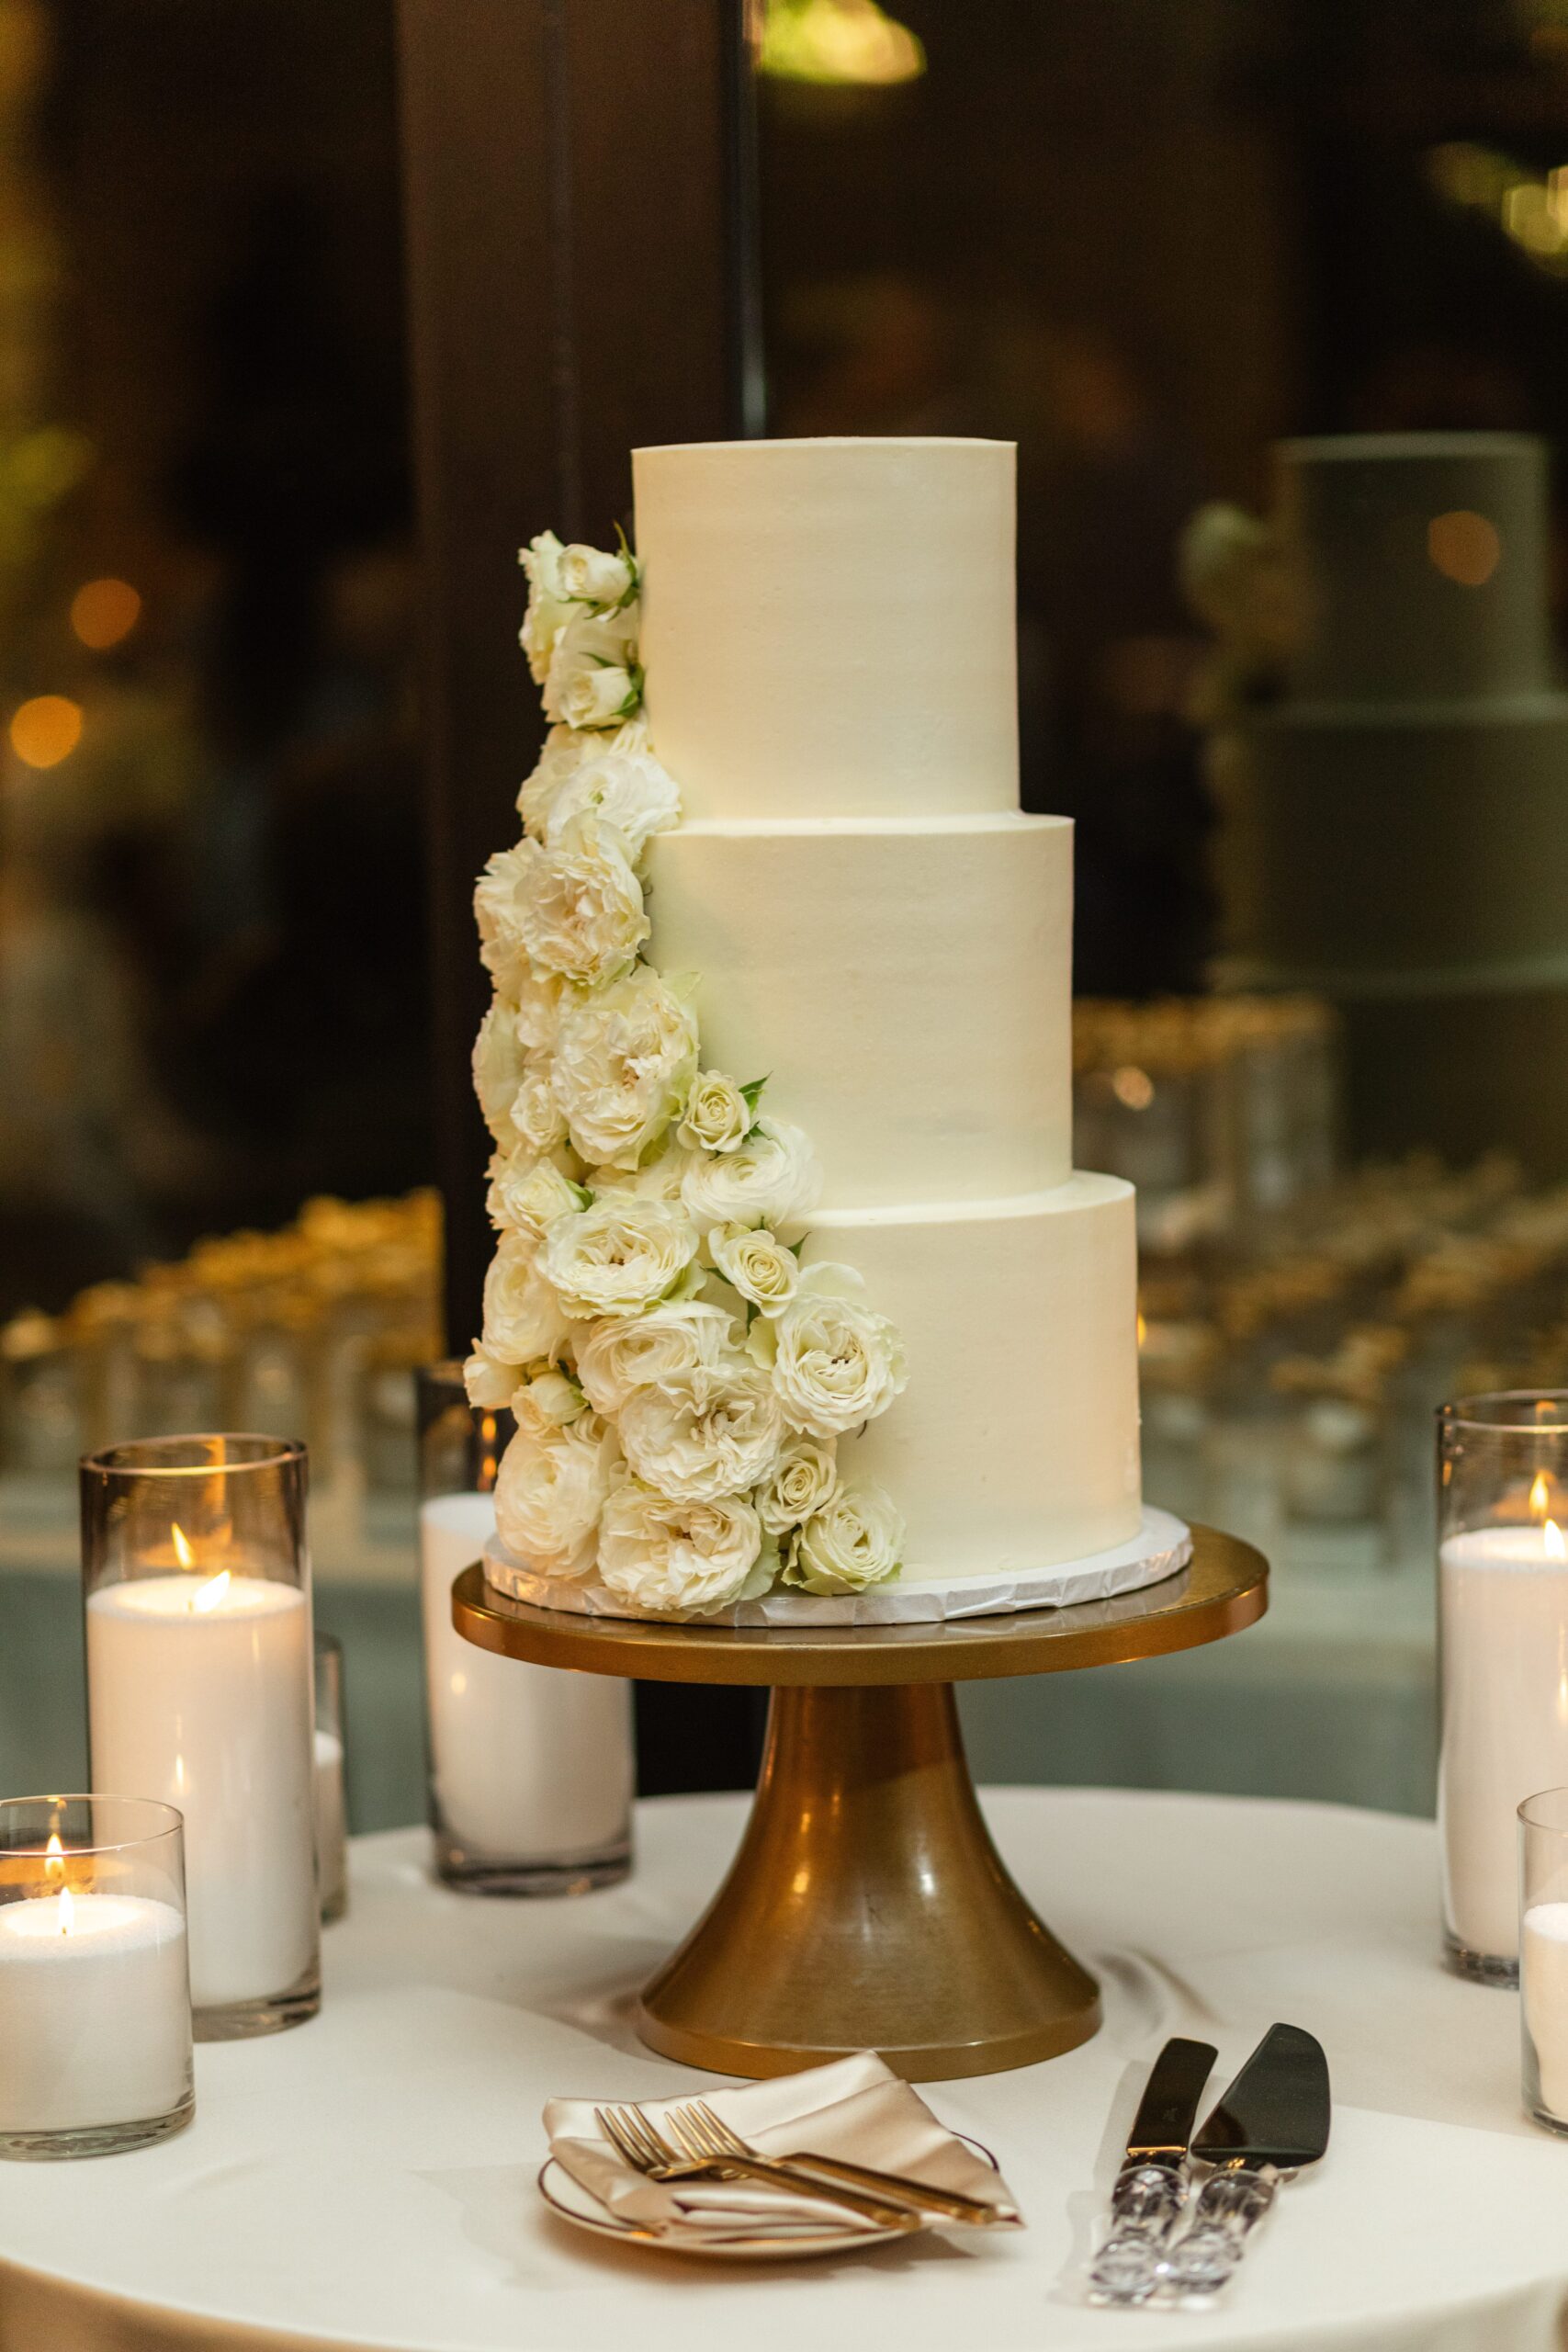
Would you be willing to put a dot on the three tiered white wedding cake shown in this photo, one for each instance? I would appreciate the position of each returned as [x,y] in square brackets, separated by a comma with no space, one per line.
[777,906]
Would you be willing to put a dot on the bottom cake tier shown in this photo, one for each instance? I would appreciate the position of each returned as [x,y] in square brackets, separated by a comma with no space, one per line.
[1015,1443]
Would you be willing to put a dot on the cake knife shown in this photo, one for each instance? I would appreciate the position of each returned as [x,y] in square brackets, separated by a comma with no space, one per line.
[1151,2186]
[1272,2120]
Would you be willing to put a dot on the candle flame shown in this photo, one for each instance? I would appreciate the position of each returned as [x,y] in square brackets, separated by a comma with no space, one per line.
[1540,1496]
[183,1550]
[54,1857]
[1556,1549]
[212,1591]
[67,1911]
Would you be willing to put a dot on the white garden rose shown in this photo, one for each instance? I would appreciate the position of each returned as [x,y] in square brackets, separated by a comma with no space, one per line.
[499,1065]
[552,1487]
[627,790]
[549,609]
[536,1113]
[856,1539]
[527,1194]
[592,577]
[773,1177]
[625,1060]
[701,1435]
[756,1264]
[665,1554]
[593,679]
[835,1362]
[579,908]
[719,1117]
[563,748]
[502,949]
[661,1178]
[619,1257]
[552,1397]
[489,1384]
[625,1353]
[523,1316]
[805,1481]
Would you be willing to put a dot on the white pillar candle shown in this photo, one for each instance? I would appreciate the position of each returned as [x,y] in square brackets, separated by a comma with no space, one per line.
[95,2016]
[1504,1669]
[332,1825]
[200,1693]
[1543,1984]
[530,1763]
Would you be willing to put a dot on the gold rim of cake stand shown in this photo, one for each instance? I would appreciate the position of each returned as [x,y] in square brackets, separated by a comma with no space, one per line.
[866,1906]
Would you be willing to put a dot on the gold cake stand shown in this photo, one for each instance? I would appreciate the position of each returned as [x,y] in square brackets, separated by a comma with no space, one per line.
[867,1908]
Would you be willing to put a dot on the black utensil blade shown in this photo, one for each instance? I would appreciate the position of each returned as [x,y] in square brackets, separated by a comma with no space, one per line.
[1169,2108]
[1276,2110]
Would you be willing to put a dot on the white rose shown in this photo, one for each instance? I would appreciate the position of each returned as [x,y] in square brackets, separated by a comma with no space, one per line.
[805,1481]
[660,1180]
[701,1435]
[499,1065]
[536,1113]
[552,1397]
[579,908]
[527,1194]
[538,1001]
[591,577]
[835,1362]
[773,1177]
[502,950]
[719,1117]
[523,1316]
[627,790]
[594,680]
[619,1257]
[664,1554]
[756,1264]
[627,1351]
[855,1540]
[563,748]
[490,1383]
[552,1487]
[625,1059]
[548,610]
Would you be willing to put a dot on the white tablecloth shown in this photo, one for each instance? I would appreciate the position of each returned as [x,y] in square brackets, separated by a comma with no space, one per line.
[368,2180]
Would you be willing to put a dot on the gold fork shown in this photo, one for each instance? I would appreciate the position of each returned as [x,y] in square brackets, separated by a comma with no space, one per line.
[629,2131]
[700,2132]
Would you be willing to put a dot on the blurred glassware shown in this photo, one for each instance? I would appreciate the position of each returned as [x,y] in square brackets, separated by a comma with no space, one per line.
[332,1780]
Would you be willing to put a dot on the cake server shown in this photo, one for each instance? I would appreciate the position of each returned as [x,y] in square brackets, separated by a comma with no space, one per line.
[1272,2120]
[1151,2186]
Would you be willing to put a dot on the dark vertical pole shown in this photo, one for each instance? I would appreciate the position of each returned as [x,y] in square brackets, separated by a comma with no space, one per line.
[579,205]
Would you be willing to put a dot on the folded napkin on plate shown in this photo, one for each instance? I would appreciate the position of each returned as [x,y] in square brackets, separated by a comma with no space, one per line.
[854,2109]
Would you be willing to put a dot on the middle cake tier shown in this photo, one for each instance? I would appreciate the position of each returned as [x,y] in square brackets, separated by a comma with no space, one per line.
[903,985]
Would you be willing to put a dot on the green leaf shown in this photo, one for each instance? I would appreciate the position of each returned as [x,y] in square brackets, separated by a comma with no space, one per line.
[795,1248]
[751,1094]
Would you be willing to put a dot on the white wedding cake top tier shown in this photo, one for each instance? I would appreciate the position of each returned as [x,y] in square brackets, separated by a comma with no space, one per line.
[829,627]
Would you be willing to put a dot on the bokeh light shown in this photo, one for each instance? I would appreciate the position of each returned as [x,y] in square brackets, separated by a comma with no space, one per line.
[46,729]
[104,613]
[1464,547]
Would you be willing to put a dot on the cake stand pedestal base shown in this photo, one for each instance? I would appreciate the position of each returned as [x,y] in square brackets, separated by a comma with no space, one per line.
[867,1908]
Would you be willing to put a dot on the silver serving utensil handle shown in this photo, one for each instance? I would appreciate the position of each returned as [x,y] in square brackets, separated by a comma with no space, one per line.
[1146,2205]
[1230,2206]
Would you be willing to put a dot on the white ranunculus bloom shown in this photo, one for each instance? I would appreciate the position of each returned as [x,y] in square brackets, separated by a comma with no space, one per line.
[618,1257]
[626,1351]
[564,747]
[756,1264]
[665,1554]
[500,1066]
[594,678]
[856,1539]
[523,1316]
[490,1383]
[627,790]
[592,576]
[579,908]
[805,1481]
[551,1489]
[536,1113]
[719,1117]
[549,609]
[701,1435]
[768,1179]
[835,1362]
[527,1194]
[625,1059]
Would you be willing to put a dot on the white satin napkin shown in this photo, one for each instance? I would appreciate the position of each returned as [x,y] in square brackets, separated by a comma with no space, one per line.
[855,2108]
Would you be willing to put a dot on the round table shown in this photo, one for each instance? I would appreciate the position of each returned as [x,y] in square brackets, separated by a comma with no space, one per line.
[367,2179]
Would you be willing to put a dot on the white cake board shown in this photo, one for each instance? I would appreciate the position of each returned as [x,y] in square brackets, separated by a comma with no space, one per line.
[1162,1545]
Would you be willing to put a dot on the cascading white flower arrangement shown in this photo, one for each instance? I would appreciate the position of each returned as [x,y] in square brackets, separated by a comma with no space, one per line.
[680,1379]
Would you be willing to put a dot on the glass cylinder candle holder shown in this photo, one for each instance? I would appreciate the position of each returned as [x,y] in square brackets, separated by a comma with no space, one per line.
[331,1798]
[196,1584]
[1543,1956]
[94,1991]
[532,1768]
[1503,1633]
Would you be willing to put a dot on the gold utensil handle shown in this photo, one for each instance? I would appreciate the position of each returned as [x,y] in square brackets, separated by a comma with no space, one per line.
[891,2216]
[951,2201]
